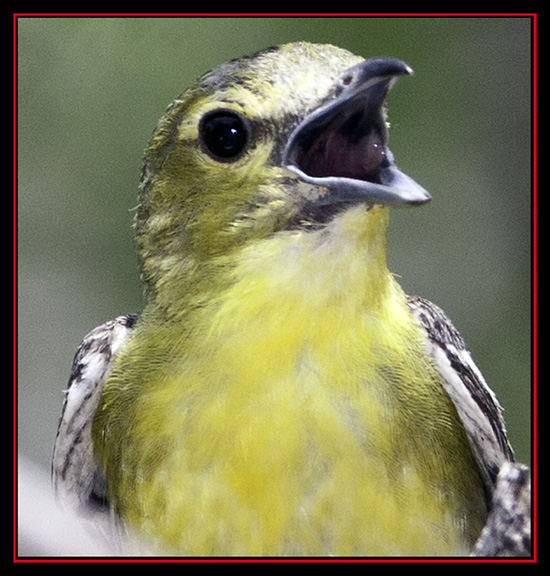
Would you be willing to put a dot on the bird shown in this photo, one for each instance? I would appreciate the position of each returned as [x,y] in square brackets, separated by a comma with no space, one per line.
[279,394]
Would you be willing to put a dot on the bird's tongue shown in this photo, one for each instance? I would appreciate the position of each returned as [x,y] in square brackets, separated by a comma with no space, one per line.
[335,153]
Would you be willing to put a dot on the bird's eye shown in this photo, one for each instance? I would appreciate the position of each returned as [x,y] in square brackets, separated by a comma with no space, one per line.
[225,135]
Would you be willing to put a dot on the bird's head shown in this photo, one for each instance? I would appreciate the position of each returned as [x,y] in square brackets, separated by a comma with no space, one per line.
[284,139]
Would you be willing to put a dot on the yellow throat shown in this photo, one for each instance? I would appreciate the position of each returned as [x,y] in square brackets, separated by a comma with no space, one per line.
[295,413]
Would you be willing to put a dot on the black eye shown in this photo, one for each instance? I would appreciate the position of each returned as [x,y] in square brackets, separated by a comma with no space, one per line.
[225,135]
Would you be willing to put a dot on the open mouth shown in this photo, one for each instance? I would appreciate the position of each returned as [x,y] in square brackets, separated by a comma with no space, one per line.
[342,146]
[348,144]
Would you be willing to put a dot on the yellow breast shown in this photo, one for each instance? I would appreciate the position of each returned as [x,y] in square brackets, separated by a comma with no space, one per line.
[303,417]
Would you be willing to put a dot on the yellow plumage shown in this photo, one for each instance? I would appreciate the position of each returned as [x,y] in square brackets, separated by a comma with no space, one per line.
[279,394]
[303,416]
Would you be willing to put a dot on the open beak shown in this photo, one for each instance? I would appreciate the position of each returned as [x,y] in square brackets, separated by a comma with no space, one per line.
[342,146]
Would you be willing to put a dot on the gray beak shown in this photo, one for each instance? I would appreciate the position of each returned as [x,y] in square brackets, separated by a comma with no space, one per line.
[342,146]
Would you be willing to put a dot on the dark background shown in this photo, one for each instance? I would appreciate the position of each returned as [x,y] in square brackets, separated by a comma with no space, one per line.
[90,91]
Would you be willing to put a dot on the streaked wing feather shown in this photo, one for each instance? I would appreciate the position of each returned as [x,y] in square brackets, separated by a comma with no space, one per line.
[474,401]
[75,475]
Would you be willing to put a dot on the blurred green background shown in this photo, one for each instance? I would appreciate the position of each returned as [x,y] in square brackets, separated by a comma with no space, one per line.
[90,91]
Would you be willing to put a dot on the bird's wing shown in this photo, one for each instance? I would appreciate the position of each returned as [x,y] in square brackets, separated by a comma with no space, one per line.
[77,479]
[474,401]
